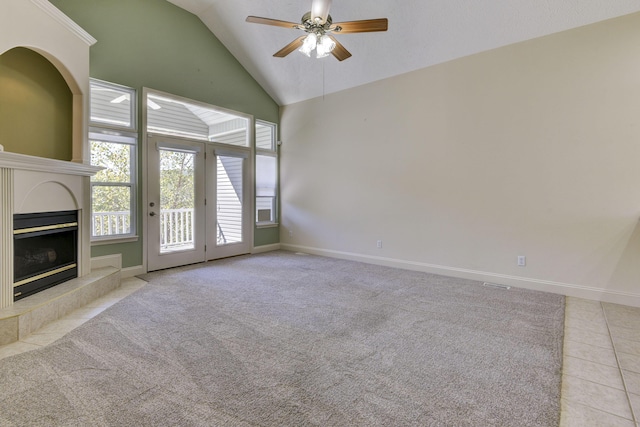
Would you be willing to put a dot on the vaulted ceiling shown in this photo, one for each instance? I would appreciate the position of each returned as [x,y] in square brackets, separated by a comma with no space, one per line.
[421,33]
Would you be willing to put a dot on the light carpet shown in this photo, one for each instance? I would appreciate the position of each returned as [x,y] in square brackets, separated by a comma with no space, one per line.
[284,339]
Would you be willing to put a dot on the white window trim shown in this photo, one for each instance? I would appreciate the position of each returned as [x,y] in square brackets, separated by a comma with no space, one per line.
[265,224]
[125,135]
[272,153]
[131,140]
[133,99]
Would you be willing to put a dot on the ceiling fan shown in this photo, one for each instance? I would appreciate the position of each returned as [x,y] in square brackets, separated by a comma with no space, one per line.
[320,29]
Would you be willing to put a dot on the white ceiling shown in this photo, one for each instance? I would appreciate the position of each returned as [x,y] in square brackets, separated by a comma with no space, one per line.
[421,33]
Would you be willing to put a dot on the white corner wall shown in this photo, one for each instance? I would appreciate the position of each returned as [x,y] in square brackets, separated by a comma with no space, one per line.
[531,149]
[41,27]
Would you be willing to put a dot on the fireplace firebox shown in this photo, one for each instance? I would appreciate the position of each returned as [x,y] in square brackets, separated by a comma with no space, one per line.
[45,247]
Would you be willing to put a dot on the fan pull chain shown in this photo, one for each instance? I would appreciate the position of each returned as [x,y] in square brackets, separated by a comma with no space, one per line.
[323,81]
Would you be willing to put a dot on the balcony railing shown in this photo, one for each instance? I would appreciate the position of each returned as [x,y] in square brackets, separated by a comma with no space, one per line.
[110,223]
[177,227]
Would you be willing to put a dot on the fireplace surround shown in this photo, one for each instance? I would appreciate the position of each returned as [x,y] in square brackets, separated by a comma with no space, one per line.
[30,189]
[33,185]
[30,184]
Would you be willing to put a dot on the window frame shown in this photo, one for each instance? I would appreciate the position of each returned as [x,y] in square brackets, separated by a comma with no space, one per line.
[273,152]
[125,135]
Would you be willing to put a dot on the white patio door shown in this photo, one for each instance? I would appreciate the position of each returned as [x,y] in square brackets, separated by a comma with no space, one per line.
[176,214]
[229,215]
[198,202]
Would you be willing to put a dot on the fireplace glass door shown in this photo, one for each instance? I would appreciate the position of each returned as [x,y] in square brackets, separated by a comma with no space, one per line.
[45,248]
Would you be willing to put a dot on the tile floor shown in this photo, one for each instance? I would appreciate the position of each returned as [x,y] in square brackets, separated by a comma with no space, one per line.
[601,370]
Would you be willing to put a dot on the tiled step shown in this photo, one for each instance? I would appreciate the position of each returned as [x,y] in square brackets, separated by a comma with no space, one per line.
[36,311]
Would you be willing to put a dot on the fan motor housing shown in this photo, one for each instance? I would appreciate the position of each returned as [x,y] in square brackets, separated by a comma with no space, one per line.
[310,24]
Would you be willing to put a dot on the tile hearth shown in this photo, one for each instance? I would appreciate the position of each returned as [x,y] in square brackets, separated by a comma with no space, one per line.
[33,313]
[66,324]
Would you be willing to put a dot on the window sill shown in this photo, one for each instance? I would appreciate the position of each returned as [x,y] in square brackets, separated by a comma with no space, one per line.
[113,240]
[267,224]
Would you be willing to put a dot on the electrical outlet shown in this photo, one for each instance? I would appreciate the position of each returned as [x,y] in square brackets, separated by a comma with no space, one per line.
[379,244]
[522,260]
[290,233]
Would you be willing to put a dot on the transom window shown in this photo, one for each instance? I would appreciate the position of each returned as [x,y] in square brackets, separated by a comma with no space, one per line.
[177,117]
[112,106]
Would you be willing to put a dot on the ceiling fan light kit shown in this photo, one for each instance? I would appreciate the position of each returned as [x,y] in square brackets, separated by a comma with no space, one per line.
[323,45]
[320,27]
[308,44]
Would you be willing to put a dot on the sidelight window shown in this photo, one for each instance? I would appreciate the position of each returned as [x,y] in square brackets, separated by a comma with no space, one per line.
[113,144]
[266,174]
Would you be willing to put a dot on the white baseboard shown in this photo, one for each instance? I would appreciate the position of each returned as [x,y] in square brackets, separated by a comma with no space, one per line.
[265,248]
[114,260]
[132,271]
[568,289]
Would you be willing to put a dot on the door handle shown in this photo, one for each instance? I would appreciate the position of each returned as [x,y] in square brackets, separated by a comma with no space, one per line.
[152,214]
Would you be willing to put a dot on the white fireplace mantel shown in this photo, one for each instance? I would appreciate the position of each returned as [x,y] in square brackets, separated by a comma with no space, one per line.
[40,164]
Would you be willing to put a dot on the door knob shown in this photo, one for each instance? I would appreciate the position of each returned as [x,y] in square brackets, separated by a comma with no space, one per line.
[152,214]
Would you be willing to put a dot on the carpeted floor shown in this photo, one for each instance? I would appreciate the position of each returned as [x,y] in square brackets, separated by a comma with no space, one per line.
[281,339]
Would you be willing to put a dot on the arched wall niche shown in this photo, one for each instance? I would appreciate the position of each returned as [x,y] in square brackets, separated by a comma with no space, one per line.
[36,105]
[62,69]
[41,27]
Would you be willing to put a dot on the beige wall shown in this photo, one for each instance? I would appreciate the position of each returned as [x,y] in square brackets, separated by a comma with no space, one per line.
[532,149]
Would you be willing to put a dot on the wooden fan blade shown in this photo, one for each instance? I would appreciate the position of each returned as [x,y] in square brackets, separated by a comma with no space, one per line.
[364,26]
[339,51]
[269,21]
[320,9]
[290,47]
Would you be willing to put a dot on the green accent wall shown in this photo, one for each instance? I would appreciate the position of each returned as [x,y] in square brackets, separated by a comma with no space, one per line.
[155,44]
[35,106]
[267,236]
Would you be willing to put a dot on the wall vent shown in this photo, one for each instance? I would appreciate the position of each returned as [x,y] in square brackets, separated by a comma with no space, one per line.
[495,285]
